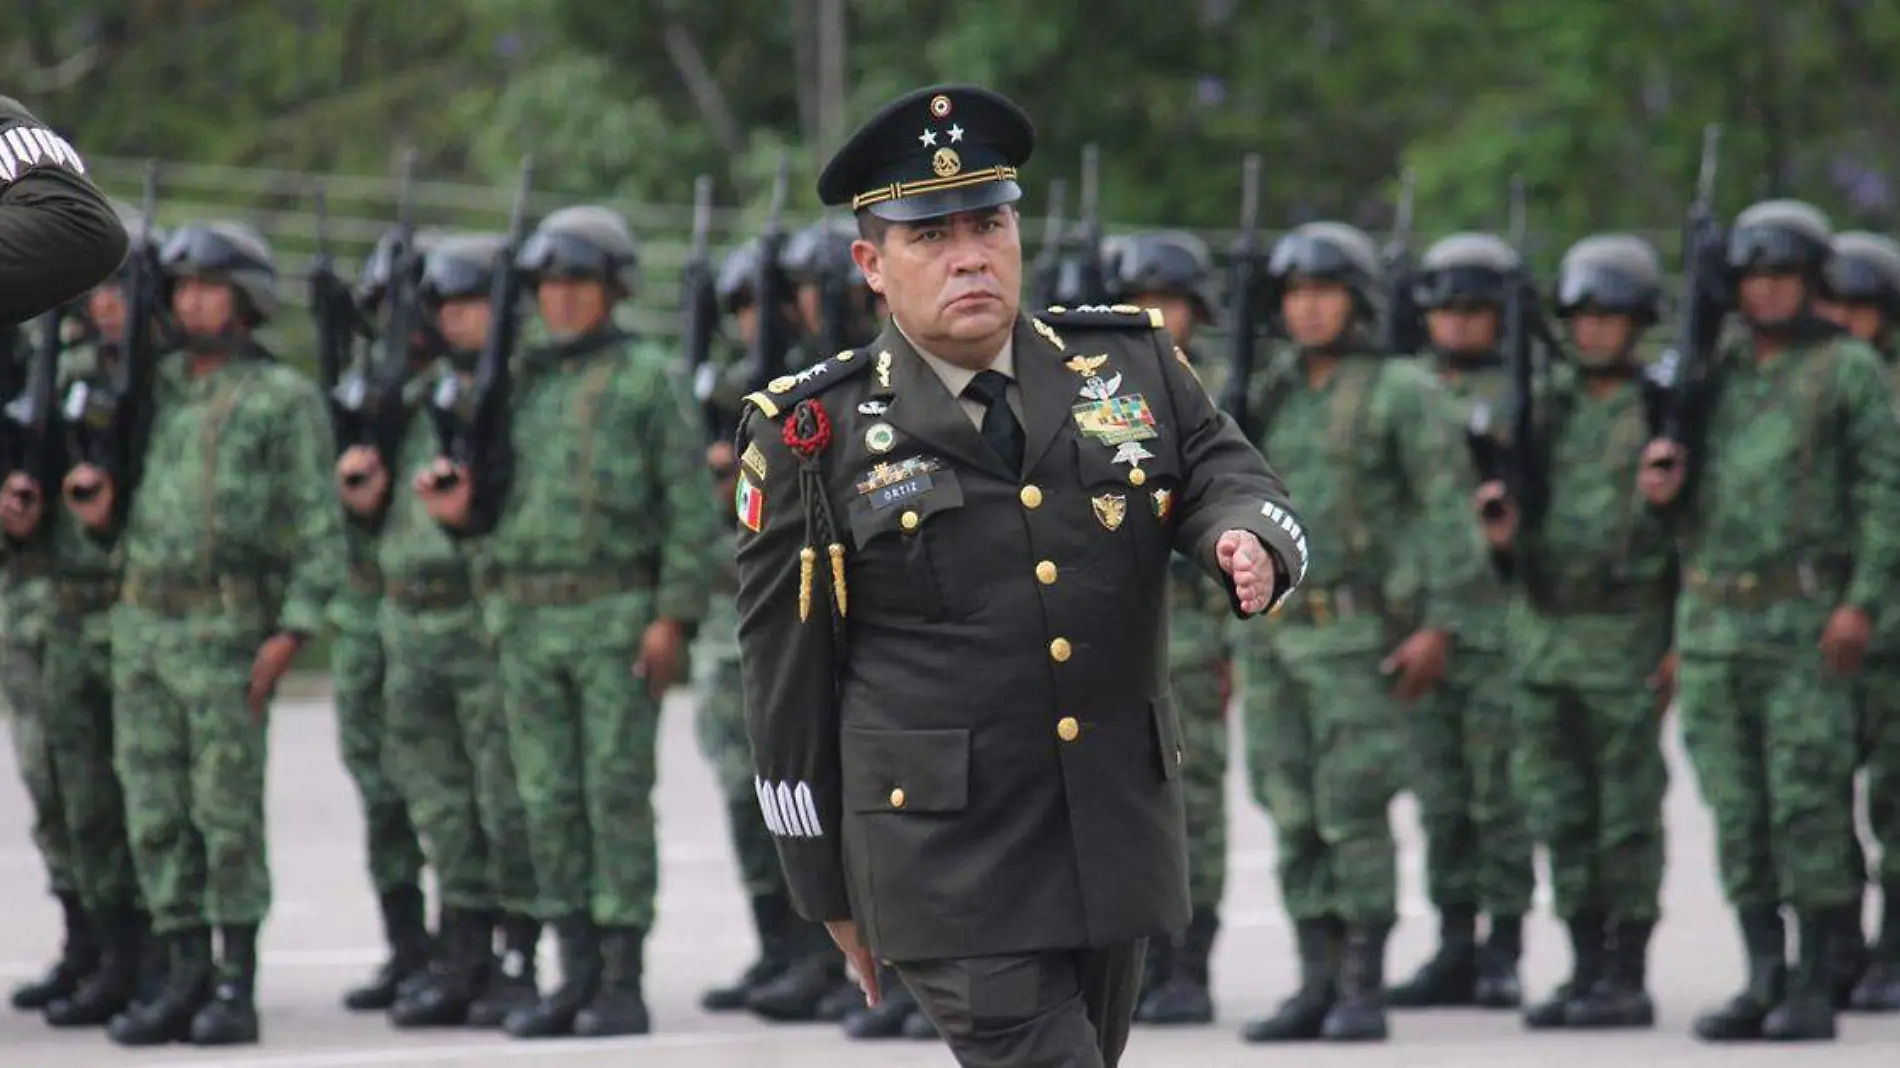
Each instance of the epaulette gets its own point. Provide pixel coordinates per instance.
(783, 393)
(1107, 316)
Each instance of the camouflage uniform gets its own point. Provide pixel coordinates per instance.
(1790, 513)
(1478, 847)
(603, 532)
(233, 535)
(1370, 454)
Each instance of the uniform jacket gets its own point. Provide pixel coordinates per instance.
(58, 235)
(981, 755)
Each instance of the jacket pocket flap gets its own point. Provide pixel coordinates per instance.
(884, 510)
(905, 771)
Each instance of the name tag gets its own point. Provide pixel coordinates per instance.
(898, 492)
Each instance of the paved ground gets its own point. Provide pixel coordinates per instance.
(322, 936)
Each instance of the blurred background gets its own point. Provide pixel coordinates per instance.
(1597, 104)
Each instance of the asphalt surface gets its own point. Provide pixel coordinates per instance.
(323, 936)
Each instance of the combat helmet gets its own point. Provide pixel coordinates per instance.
(1163, 261)
(1615, 273)
(824, 245)
(459, 267)
(585, 241)
(738, 273)
(372, 282)
(1328, 252)
(230, 251)
(1473, 268)
(1865, 269)
(1780, 235)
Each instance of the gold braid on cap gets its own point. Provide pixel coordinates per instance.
(901, 190)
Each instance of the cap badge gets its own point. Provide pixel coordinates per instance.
(940, 106)
(946, 163)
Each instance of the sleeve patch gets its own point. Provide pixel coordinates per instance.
(789, 809)
(1285, 521)
(748, 502)
(23, 148)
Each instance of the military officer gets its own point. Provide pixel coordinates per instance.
(1863, 295)
(1593, 574)
(1478, 848)
(59, 236)
(232, 546)
(1788, 516)
(1327, 682)
(597, 552)
(1169, 270)
(952, 600)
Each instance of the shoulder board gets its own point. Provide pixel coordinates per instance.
(1104, 316)
(782, 394)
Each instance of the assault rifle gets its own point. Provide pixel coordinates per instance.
(28, 442)
(474, 431)
(772, 342)
(108, 422)
(699, 305)
(1046, 273)
(1402, 331)
(1679, 383)
(1081, 276)
(1244, 313)
(842, 314)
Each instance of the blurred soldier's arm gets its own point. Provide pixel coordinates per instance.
(59, 237)
(786, 658)
(1449, 555)
(317, 560)
(1873, 450)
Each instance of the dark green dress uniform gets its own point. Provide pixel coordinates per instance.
(59, 236)
(956, 667)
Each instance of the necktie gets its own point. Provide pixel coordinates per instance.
(1000, 428)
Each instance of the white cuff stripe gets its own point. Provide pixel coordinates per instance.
(790, 809)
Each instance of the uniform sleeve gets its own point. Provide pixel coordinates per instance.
(1227, 485)
(686, 572)
(791, 703)
(317, 559)
(1873, 453)
(1450, 559)
(59, 236)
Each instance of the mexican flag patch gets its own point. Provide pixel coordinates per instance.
(748, 502)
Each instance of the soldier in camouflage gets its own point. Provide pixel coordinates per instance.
(600, 572)
(232, 546)
(1863, 290)
(1170, 270)
(1478, 847)
(1787, 511)
(828, 290)
(1368, 453)
(357, 668)
(1593, 575)
(445, 739)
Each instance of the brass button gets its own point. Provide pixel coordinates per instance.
(1046, 573)
(909, 520)
(1031, 497)
(1068, 729)
(1059, 650)
(897, 798)
(1136, 476)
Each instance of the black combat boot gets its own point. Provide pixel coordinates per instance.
(847, 998)
(406, 930)
(1879, 989)
(231, 1017)
(919, 1028)
(512, 982)
(619, 1008)
(188, 979)
(1155, 966)
(1620, 999)
(1301, 1017)
(1359, 1013)
(78, 956)
(108, 990)
(1449, 979)
(1807, 1013)
(1852, 955)
(886, 1019)
(153, 957)
(1588, 945)
(795, 994)
(1765, 939)
(772, 921)
(553, 1016)
(1185, 996)
(1498, 986)
(464, 955)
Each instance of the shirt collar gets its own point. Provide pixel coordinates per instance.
(956, 379)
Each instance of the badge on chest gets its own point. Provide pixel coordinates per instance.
(890, 483)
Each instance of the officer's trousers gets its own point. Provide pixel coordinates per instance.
(1051, 1009)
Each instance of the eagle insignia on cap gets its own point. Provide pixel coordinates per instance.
(946, 162)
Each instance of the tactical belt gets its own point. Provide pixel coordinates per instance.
(552, 588)
(182, 595)
(431, 591)
(366, 579)
(1761, 589)
(1590, 595)
(84, 595)
(1323, 606)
